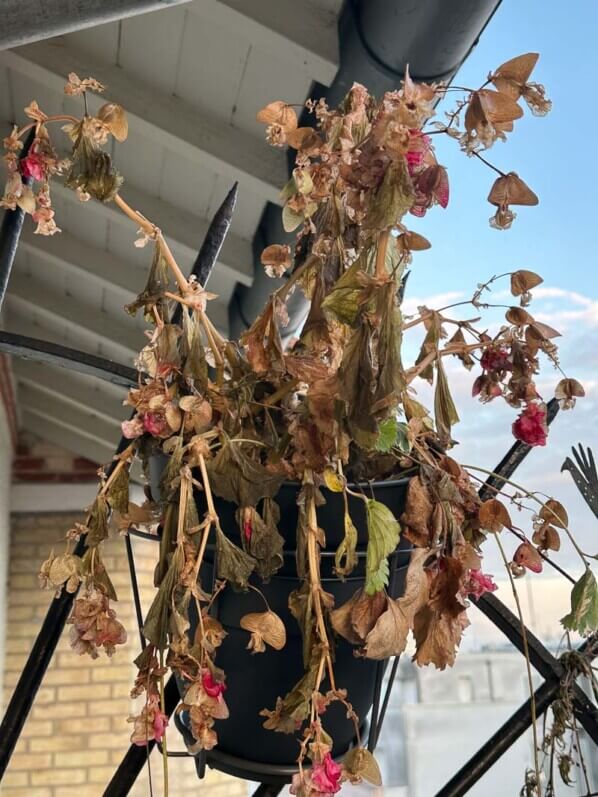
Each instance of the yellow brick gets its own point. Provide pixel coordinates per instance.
(28, 792)
(59, 710)
(91, 790)
(108, 741)
(29, 630)
(121, 690)
(18, 645)
(37, 728)
(100, 774)
(81, 758)
(25, 761)
(84, 726)
(58, 677)
(23, 581)
(26, 597)
(112, 707)
(15, 779)
(98, 691)
(45, 695)
(22, 550)
(58, 777)
(15, 662)
(68, 658)
(53, 744)
(112, 674)
(21, 613)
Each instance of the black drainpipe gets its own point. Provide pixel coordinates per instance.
(376, 39)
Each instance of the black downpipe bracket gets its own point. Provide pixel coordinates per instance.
(377, 38)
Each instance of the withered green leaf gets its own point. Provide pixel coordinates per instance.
(98, 522)
(92, 170)
(153, 293)
(393, 199)
(157, 621)
(361, 765)
(99, 574)
(445, 411)
(301, 607)
(356, 377)
(345, 558)
(265, 544)
(236, 477)
(234, 565)
(583, 616)
(383, 538)
(118, 492)
(171, 479)
(294, 708)
(349, 294)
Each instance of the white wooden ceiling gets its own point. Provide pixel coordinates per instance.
(191, 78)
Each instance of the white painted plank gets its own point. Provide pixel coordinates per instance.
(59, 433)
(160, 117)
(302, 35)
(150, 47)
(100, 41)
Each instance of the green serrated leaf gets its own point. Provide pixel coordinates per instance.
(393, 199)
(383, 537)
(387, 435)
(583, 616)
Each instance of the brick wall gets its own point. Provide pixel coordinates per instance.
(77, 732)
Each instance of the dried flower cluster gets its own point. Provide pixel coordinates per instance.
(335, 409)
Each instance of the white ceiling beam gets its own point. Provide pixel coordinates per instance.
(180, 227)
(73, 390)
(301, 34)
(27, 291)
(60, 434)
(43, 403)
(165, 119)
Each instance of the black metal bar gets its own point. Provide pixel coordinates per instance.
(267, 790)
(135, 588)
(499, 743)
(136, 756)
(385, 702)
(10, 231)
(42, 351)
(44, 646)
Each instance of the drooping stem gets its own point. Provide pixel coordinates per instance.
(163, 709)
(527, 662)
(383, 240)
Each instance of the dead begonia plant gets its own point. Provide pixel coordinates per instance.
(335, 412)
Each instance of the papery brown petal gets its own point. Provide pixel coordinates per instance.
(539, 331)
(278, 113)
(547, 538)
(523, 281)
(518, 316)
(569, 389)
(268, 625)
(414, 242)
(497, 107)
(365, 612)
(519, 68)
(527, 556)
(115, 118)
(554, 512)
(493, 515)
(305, 139)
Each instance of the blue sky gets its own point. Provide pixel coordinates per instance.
(557, 239)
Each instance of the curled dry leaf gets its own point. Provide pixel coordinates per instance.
(278, 113)
(493, 515)
(523, 281)
(115, 119)
(554, 512)
(511, 76)
(359, 764)
(518, 316)
(547, 538)
(509, 189)
(276, 259)
(266, 628)
(567, 391)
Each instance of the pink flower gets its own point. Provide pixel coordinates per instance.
(150, 725)
(32, 166)
(156, 424)
(211, 687)
(527, 556)
(133, 428)
(495, 360)
(326, 776)
(530, 427)
(479, 583)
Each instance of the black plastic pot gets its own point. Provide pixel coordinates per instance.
(255, 681)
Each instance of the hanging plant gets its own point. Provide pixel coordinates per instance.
(235, 422)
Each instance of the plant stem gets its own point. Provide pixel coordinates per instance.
(163, 709)
(527, 662)
(383, 239)
(533, 497)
